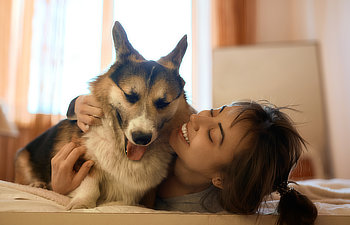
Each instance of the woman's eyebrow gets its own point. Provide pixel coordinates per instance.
(222, 134)
(222, 108)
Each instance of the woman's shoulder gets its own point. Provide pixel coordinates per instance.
(204, 201)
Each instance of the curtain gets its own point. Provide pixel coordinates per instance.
(47, 56)
(233, 22)
(15, 71)
(18, 37)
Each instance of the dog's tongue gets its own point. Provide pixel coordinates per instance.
(135, 152)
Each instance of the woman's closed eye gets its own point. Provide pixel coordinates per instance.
(209, 131)
(216, 137)
(222, 133)
(209, 135)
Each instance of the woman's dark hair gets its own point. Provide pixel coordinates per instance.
(267, 153)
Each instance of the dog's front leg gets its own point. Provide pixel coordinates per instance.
(87, 194)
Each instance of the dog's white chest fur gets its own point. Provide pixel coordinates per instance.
(114, 177)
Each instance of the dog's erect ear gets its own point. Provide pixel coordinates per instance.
(174, 58)
(123, 48)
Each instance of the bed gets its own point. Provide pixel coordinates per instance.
(20, 204)
(28, 205)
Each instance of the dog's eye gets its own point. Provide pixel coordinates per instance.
(161, 103)
(132, 98)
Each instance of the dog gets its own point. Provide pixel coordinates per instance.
(142, 101)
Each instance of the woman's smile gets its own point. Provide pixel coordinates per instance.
(185, 133)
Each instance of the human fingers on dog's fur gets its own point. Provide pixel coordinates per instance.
(84, 127)
(98, 112)
(92, 111)
(82, 172)
(85, 101)
(91, 100)
(89, 120)
(74, 155)
(87, 105)
(95, 120)
(78, 103)
(65, 150)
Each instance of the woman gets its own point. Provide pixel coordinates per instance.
(226, 159)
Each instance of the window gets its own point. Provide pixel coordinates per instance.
(154, 27)
(66, 47)
(66, 44)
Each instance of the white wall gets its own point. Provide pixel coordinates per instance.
(327, 22)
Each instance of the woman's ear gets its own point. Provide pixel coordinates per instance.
(217, 182)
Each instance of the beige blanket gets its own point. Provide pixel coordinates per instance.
(23, 198)
(330, 196)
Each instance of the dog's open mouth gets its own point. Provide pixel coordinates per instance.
(134, 152)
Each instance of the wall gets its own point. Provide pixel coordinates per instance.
(281, 74)
(327, 22)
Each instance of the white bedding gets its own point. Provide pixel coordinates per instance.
(22, 198)
(331, 197)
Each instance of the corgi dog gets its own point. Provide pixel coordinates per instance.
(142, 102)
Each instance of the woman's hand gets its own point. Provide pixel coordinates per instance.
(88, 112)
(64, 178)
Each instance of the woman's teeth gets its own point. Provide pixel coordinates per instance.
(184, 132)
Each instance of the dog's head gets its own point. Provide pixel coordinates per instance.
(141, 96)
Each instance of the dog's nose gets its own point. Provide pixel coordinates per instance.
(141, 138)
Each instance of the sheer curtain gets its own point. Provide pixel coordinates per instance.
(15, 60)
(33, 62)
(47, 56)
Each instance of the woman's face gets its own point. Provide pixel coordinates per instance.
(208, 141)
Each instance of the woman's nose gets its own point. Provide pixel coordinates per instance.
(197, 121)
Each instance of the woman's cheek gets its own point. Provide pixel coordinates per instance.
(172, 137)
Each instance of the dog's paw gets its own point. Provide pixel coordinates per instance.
(79, 203)
(39, 184)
